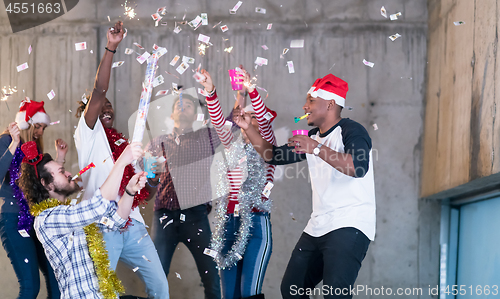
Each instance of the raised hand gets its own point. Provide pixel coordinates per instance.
(242, 119)
(137, 182)
(14, 132)
(131, 153)
(115, 35)
(207, 83)
(61, 147)
(246, 78)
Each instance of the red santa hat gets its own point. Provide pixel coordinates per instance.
(330, 88)
(270, 115)
(31, 112)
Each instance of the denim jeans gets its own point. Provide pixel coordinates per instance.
(246, 277)
(27, 256)
(195, 233)
(334, 258)
(130, 247)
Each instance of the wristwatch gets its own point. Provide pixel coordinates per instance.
(317, 149)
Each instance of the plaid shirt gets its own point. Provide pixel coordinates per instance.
(187, 175)
(60, 230)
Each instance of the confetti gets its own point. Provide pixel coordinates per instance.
(55, 122)
(106, 221)
(161, 51)
(128, 51)
(22, 67)
(291, 69)
(145, 235)
(383, 12)
(30, 49)
(143, 57)
(164, 23)
(177, 140)
(168, 223)
(135, 269)
(163, 218)
(26, 261)
(268, 116)
(459, 23)
(375, 127)
(177, 30)
(235, 8)
(261, 61)
(229, 49)
(224, 28)
(158, 81)
(182, 217)
(293, 218)
(174, 61)
(162, 10)
(217, 24)
(178, 275)
(236, 210)
(162, 92)
(139, 46)
(285, 50)
(74, 201)
(210, 252)
(81, 46)
(155, 47)
(203, 38)
(199, 77)
(297, 43)
(117, 64)
(260, 10)
(204, 19)
(395, 16)
(144, 257)
(394, 37)
(109, 20)
(201, 117)
(265, 47)
(195, 22)
(172, 75)
(367, 63)
(269, 26)
(187, 59)
(156, 16)
(51, 95)
(202, 48)
(23, 233)
(119, 141)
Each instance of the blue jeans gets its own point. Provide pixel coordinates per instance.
(27, 256)
(195, 233)
(246, 277)
(334, 258)
(130, 247)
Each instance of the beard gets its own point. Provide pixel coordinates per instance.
(67, 190)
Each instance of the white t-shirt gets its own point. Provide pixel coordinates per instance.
(93, 146)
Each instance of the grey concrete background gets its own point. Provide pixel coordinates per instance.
(338, 36)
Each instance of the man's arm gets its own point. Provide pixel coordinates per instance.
(135, 184)
(98, 95)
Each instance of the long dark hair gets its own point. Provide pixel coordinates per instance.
(31, 185)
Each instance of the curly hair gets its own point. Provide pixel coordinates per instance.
(81, 107)
(32, 186)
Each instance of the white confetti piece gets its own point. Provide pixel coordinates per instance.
(168, 223)
(81, 46)
(367, 63)
(266, 193)
(30, 49)
(459, 23)
(394, 37)
(162, 92)
(55, 122)
(135, 269)
(23, 233)
(235, 8)
(260, 10)
(117, 64)
(261, 61)
(177, 30)
(119, 141)
(26, 261)
(145, 235)
(178, 275)
(268, 116)
(285, 50)
(163, 218)
(236, 210)
(51, 95)
(395, 16)
(297, 43)
(182, 68)
(269, 26)
(107, 221)
(187, 59)
(158, 81)
(210, 252)
(139, 46)
(291, 69)
(265, 47)
(161, 51)
(201, 117)
(145, 258)
(174, 61)
(195, 22)
(204, 19)
(183, 217)
(203, 38)
(375, 127)
(143, 57)
(128, 51)
(224, 28)
(156, 17)
(383, 12)
(22, 67)
(293, 218)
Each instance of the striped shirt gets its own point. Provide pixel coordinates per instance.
(60, 230)
(235, 176)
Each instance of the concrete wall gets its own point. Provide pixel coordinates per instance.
(461, 141)
(338, 36)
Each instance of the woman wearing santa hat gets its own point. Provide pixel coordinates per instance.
(16, 223)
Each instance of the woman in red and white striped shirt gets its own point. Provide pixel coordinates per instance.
(242, 238)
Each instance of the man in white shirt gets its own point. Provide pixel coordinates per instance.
(95, 142)
(338, 152)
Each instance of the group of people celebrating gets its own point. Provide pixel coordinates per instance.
(77, 244)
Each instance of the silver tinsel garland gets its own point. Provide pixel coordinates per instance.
(249, 197)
